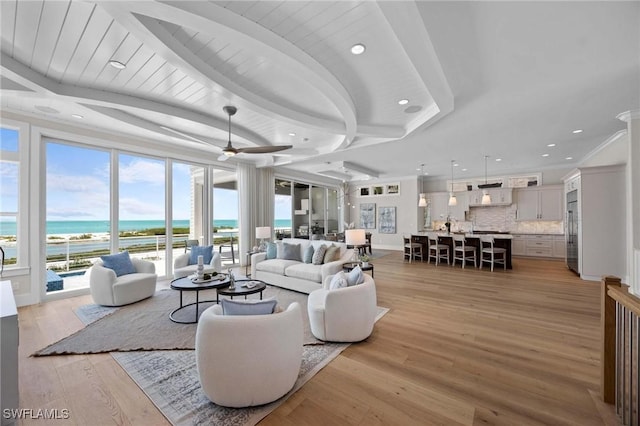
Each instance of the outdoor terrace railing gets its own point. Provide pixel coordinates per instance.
(620, 324)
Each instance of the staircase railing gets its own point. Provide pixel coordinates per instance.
(620, 324)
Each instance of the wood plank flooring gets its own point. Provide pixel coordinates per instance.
(458, 347)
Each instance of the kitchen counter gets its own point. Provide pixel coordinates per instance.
(499, 236)
(500, 240)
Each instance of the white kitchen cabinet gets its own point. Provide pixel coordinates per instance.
(540, 203)
(499, 197)
(538, 245)
(601, 238)
(440, 206)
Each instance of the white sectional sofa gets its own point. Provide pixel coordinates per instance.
(297, 275)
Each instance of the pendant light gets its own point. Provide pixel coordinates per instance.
(453, 201)
(486, 198)
(423, 196)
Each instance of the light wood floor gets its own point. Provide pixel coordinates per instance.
(458, 346)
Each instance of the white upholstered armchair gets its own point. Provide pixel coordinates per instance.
(110, 290)
(181, 267)
(345, 314)
(247, 360)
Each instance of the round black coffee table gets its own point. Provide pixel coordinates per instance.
(348, 267)
(241, 289)
(187, 284)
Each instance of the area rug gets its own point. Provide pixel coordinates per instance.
(145, 326)
(170, 377)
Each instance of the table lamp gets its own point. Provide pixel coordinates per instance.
(262, 233)
(355, 238)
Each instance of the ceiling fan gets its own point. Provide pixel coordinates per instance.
(230, 151)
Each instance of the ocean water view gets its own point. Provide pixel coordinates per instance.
(8, 229)
(63, 227)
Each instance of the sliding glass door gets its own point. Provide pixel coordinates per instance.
(77, 213)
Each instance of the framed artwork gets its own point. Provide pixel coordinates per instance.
(378, 190)
(387, 220)
(364, 191)
(393, 189)
(368, 215)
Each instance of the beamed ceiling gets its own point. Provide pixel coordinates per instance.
(481, 78)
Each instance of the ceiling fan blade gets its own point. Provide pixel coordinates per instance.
(263, 149)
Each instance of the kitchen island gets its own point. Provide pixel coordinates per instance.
(473, 239)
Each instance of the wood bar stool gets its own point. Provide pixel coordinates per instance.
(412, 250)
(463, 252)
(436, 250)
(491, 254)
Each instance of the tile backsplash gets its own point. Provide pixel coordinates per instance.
(503, 219)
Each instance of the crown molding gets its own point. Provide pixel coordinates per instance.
(629, 115)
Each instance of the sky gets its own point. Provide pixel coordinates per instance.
(77, 184)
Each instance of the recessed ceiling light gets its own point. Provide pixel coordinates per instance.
(551, 145)
(464, 170)
(76, 116)
(545, 155)
(498, 159)
(117, 64)
(569, 158)
(358, 49)
(403, 101)
(292, 134)
(577, 131)
(455, 164)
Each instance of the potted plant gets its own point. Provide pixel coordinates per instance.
(365, 260)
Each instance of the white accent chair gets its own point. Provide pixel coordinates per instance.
(247, 360)
(181, 267)
(463, 252)
(109, 290)
(345, 314)
(436, 250)
(492, 254)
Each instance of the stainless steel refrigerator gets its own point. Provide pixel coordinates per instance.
(571, 234)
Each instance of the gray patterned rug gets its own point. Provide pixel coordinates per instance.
(170, 378)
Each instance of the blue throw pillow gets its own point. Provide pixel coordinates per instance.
(120, 263)
(307, 257)
(205, 252)
(272, 251)
(248, 307)
(356, 276)
(291, 252)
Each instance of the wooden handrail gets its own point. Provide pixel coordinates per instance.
(608, 330)
(622, 295)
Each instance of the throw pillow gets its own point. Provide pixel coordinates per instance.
(318, 255)
(120, 263)
(332, 254)
(307, 257)
(291, 252)
(248, 307)
(272, 251)
(205, 251)
(339, 280)
(356, 276)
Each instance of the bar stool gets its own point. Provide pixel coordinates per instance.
(436, 250)
(412, 250)
(495, 254)
(463, 252)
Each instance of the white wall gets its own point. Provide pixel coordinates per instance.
(407, 211)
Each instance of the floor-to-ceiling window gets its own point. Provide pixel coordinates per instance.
(141, 208)
(188, 206)
(9, 194)
(282, 209)
(77, 212)
(225, 215)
